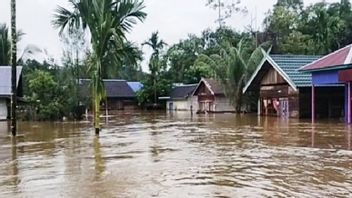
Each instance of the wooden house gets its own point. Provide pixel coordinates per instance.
(120, 94)
(181, 98)
(334, 69)
(285, 92)
(211, 97)
(5, 89)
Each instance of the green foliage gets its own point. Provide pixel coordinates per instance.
(146, 95)
(317, 29)
(233, 66)
(5, 45)
(46, 95)
(156, 67)
(202, 68)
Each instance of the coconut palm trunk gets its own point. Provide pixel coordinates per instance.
(13, 68)
(107, 21)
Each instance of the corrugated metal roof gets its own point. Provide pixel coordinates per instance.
(5, 79)
(215, 86)
(182, 91)
(290, 65)
(135, 86)
(340, 57)
(114, 88)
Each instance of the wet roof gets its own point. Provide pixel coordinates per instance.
(182, 91)
(135, 86)
(287, 66)
(114, 88)
(335, 59)
(290, 64)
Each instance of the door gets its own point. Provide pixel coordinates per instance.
(284, 108)
(3, 110)
(171, 106)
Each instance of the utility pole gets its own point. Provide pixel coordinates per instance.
(220, 19)
(13, 68)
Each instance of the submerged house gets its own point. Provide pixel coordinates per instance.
(5, 89)
(181, 98)
(285, 92)
(120, 94)
(211, 97)
(334, 69)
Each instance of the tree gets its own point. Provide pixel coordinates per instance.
(233, 67)
(107, 22)
(46, 95)
(5, 45)
(181, 58)
(155, 66)
(225, 9)
(127, 66)
(282, 22)
(323, 26)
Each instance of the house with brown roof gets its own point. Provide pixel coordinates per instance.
(211, 97)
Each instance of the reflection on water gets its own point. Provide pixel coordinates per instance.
(178, 155)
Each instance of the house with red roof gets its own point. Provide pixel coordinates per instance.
(332, 69)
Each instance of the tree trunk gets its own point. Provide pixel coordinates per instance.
(96, 98)
(13, 68)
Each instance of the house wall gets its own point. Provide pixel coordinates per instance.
(121, 104)
(183, 105)
(277, 97)
(325, 77)
(223, 104)
(3, 109)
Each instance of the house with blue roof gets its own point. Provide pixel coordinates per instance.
(284, 91)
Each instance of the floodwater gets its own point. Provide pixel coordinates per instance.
(178, 155)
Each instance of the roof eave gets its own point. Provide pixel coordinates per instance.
(336, 67)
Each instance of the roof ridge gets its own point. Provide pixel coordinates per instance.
(186, 85)
(292, 55)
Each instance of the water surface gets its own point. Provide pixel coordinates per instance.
(178, 155)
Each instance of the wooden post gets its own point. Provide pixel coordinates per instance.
(13, 68)
(106, 108)
(313, 103)
(349, 102)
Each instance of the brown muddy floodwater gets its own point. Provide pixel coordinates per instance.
(160, 155)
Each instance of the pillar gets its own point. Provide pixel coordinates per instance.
(313, 103)
(259, 106)
(349, 102)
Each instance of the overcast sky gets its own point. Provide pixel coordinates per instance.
(174, 19)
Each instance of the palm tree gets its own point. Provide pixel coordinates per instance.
(5, 47)
(156, 45)
(13, 68)
(107, 21)
(233, 67)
